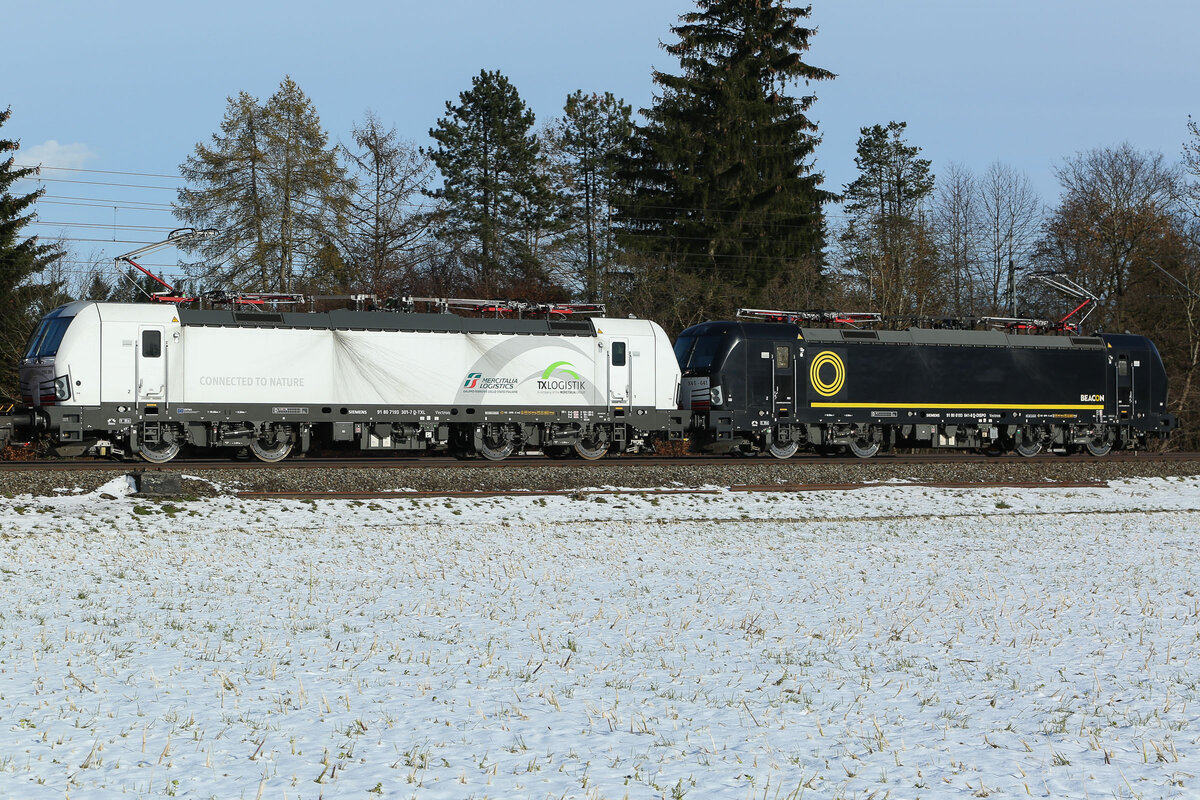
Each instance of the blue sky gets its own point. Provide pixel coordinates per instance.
(133, 86)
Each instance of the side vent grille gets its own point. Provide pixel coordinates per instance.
(571, 326)
(256, 318)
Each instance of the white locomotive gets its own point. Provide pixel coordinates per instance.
(148, 379)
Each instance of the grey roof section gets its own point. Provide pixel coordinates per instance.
(384, 321)
(951, 337)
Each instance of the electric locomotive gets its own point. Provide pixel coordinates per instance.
(148, 379)
(755, 386)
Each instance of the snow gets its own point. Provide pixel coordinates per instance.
(891, 641)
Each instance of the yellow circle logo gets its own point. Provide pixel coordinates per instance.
(827, 388)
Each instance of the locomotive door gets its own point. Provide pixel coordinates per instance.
(151, 365)
(783, 386)
(618, 372)
(1124, 385)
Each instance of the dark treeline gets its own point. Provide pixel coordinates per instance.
(708, 200)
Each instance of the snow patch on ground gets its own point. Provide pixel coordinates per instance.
(923, 642)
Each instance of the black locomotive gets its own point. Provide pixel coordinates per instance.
(779, 387)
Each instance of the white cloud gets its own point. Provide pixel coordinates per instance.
(52, 154)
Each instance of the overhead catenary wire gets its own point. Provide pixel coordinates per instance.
(106, 263)
(95, 202)
(101, 241)
(1181, 284)
(106, 225)
(699, 262)
(98, 171)
(652, 207)
(706, 267)
(41, 179)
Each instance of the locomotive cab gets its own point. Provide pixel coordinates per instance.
(1137, 384)
(68, 393)
(701, 352)
(737, 377)
(41, 383)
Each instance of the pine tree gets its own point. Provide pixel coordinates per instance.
(496, 201)
(590, 142)
(721, 183)
(21, 260)
(98, 289)
(272, 187)
(887, 242)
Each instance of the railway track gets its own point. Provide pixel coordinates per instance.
(518, 462)
(399, 477)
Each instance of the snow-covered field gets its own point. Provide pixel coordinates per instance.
(888, 642)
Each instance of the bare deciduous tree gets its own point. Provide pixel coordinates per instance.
(1116, 206)
(384, 239)
(1009, 218)
(954, 218)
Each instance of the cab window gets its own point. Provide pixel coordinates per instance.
(47, 337)
(683, 349)
(705, 352)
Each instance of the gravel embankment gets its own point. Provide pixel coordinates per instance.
(615, 473)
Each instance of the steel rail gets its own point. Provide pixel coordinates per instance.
(517, 462)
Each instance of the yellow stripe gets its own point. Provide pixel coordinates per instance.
(981, 406)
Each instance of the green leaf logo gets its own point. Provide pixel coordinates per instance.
(562, 367)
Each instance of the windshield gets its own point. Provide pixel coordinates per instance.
(47, 337)
(683, 349)
(698, 352)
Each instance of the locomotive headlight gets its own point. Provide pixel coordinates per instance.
(62, 387)
(715, 396)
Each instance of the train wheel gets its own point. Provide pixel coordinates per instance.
(1028, 449)
(591, 449)
(1098, 446)
(863, 448)
(496, 453)
(159, 452)
(783, 450)
(270, 451)
(494, 449)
